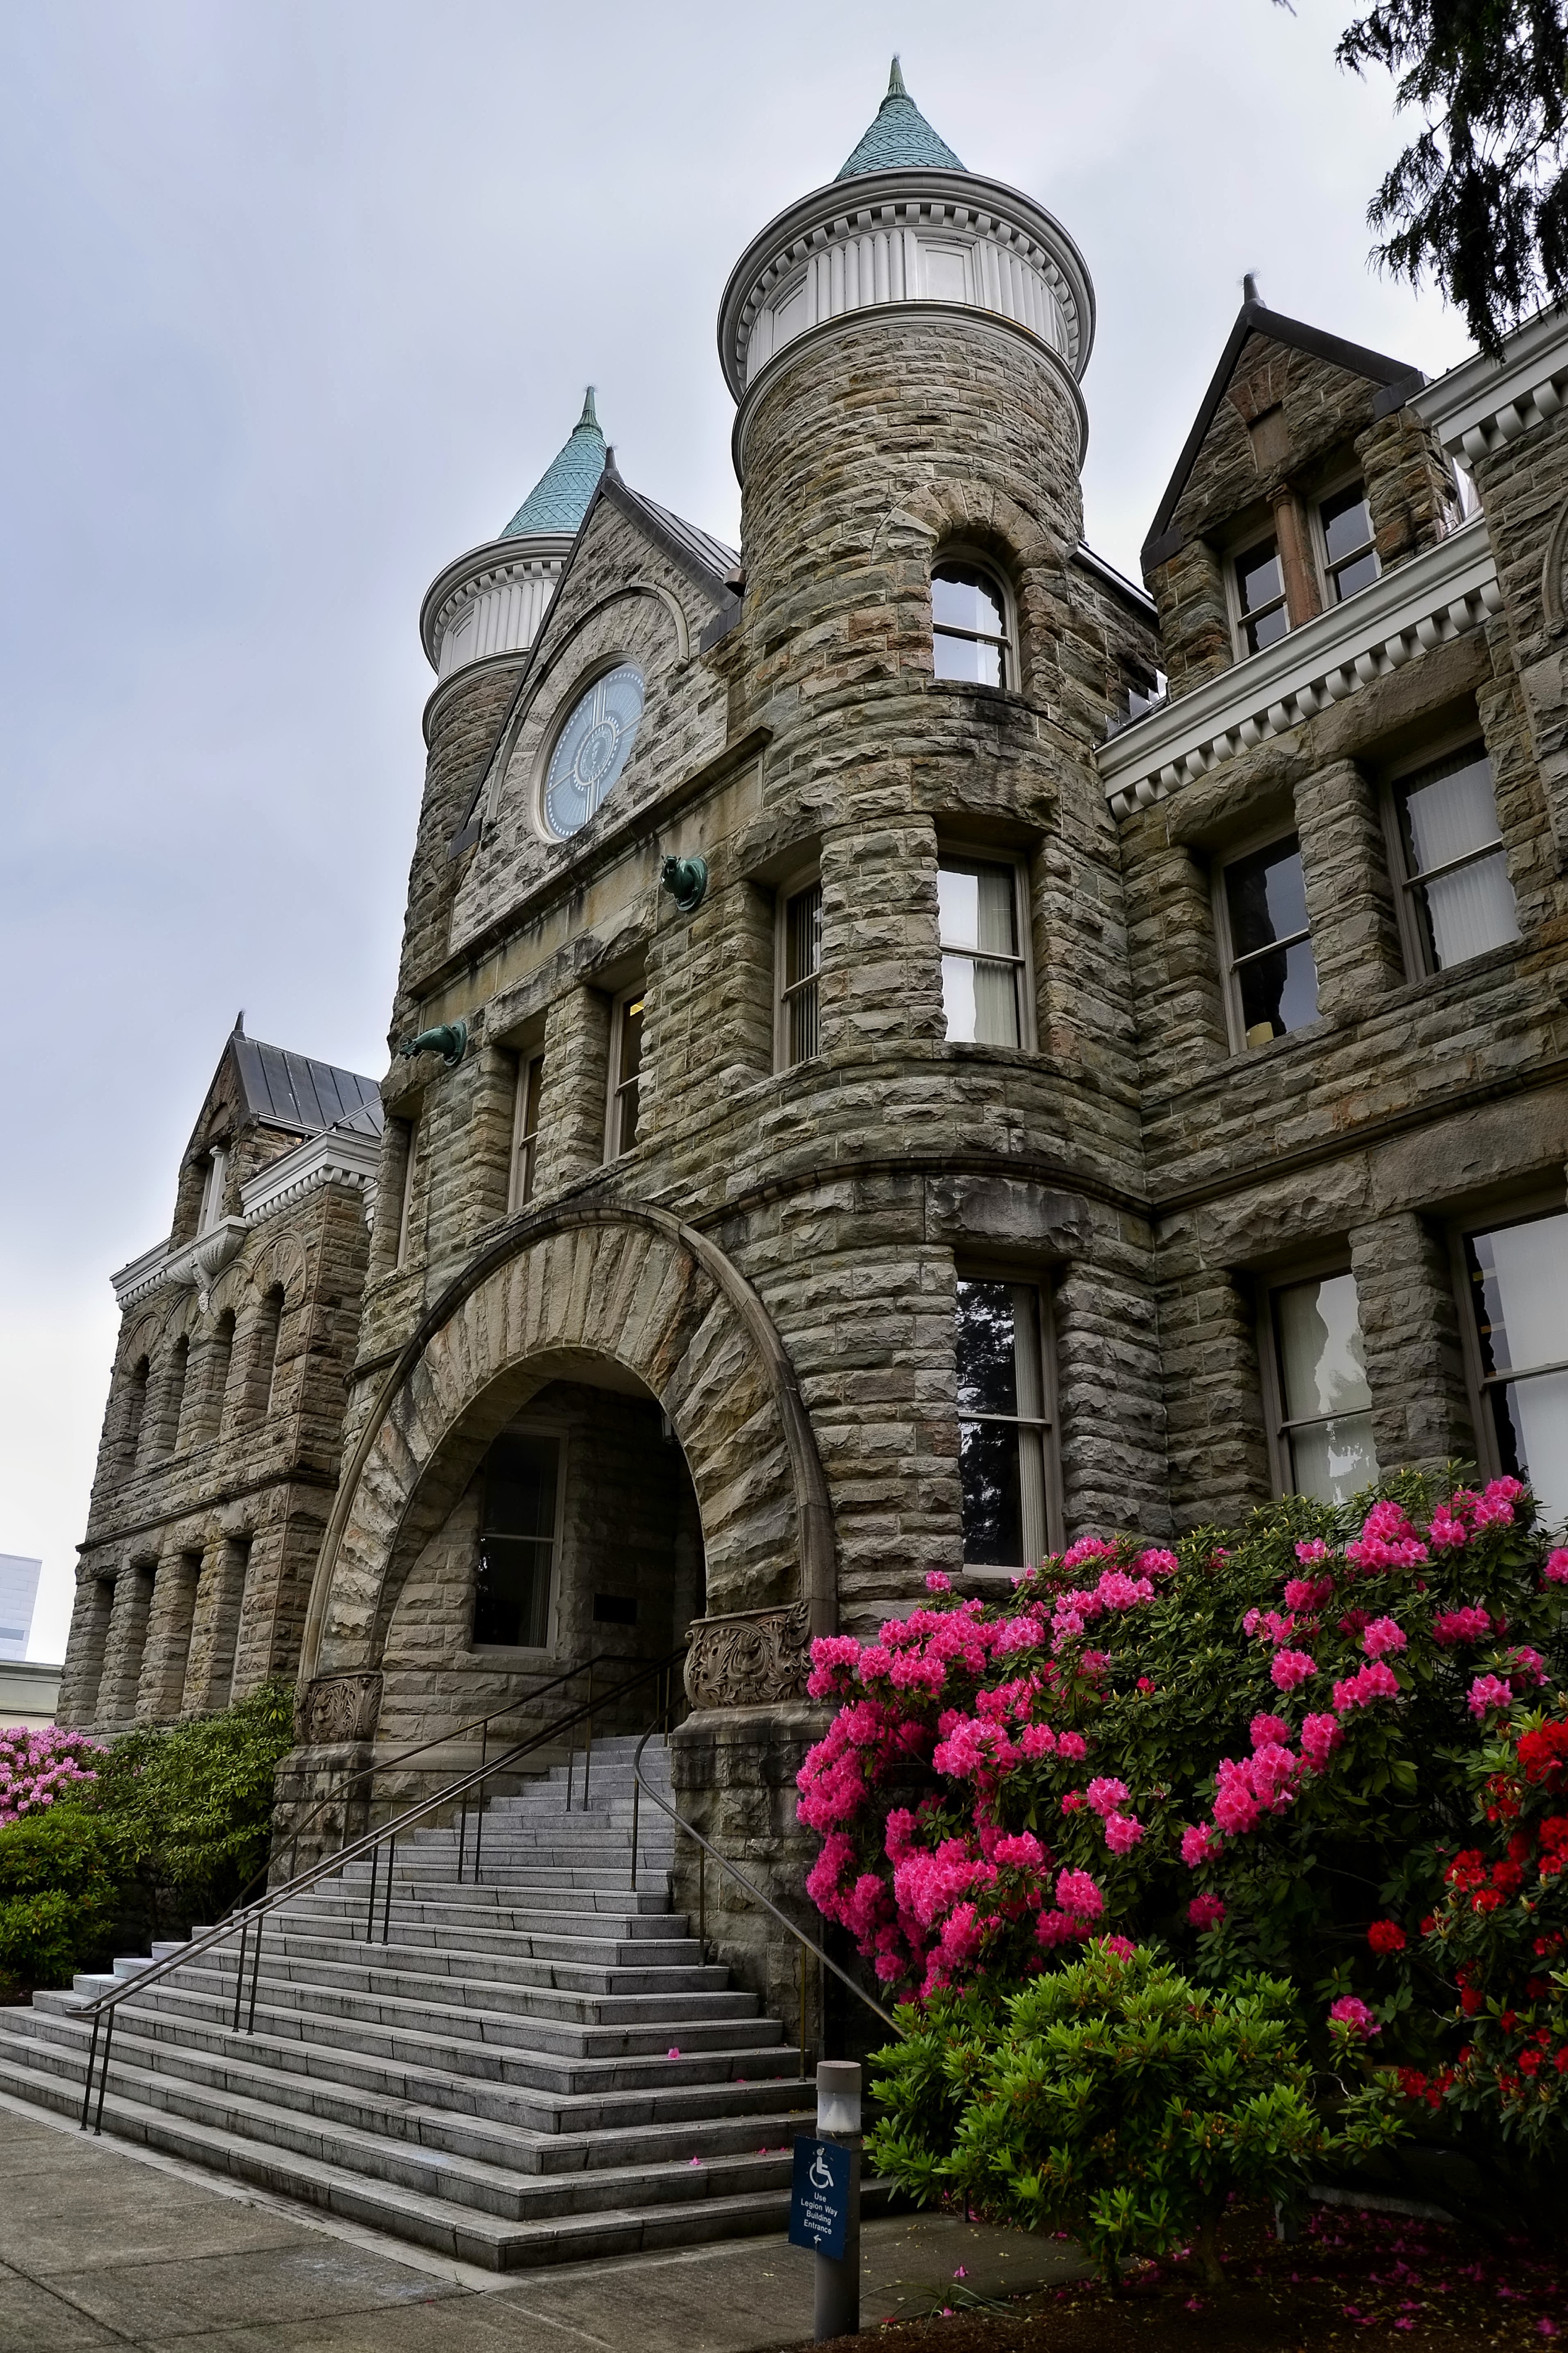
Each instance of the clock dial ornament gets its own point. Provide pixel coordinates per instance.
(592, 749)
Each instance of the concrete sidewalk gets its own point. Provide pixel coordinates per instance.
(102, 2246)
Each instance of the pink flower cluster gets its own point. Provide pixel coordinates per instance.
(1454, 1628)
(1375, 1681)
(36, 1767)
(1352, 2012)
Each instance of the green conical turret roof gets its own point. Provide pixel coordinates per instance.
(900, 135)
(559, 499)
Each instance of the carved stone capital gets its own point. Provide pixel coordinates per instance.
(336, 1708)
(750, 1660)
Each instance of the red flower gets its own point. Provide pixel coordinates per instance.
(1386, 1937)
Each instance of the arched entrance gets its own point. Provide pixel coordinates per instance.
(618, 1314)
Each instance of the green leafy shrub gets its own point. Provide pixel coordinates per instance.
(168, 1833)
(1113, 2099)
(61, 1873)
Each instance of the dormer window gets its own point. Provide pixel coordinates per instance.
(214, 1183)
(1261, 592)
(1349, 559)
(969, 626)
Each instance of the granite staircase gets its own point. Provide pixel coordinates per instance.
(533, 2068)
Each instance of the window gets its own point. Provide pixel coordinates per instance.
(135, 1410)
(800, 973)
(1002, 1425)
(969, 626)
(1349, 559)
(1261, 592)
(625, 1073)
(174, 1396)
(981, 961)
(517, 1541)
(1458, 899)
(405, 1207)
(214, 1185)
(1324, 1422)
(525, 1132)
(1518, 1282)
(1272, 972)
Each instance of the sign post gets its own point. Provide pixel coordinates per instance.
(825, 2207)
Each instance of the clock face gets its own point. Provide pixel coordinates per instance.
(592, 749)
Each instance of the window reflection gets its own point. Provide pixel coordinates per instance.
(1327, 1424)
(517, 1541)
(1274, 972)
(969, 626)
(1002, 1425)
(981, 967)
(1456, 869)
(1518, 1293)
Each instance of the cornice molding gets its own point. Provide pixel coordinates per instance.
(1445, 593)
(1484, 404)
(337, 1156)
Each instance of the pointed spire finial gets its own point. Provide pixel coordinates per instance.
(1249, 293)
(240, 1023)
(896, 80)
(588, 415)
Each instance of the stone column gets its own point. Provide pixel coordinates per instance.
(1303, 600)
(1109, 1408)
(1214, 1397)
(881, 965)
(85, 1651)
(1350, 899)
(214, 1625)
(126, 1640)
(572, 1107)
(168, 1643)
(1420, 1412)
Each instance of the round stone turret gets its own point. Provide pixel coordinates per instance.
(904, 223)
(487, 606)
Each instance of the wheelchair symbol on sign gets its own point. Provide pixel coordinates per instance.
(821, 2175)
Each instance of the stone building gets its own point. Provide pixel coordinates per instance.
(221, 1442)
(936, 1048)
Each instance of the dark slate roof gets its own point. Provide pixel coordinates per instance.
(1256, 317)
(295, 1091)
(712, 553)
(560, 498)
(899, 137)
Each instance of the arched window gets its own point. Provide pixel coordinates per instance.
(264, 1356)
(135, 1411)
(215, 1383)
(173, 1402)
(969, 625)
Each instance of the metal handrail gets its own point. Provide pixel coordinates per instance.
(102, 2007)
(807, 1944)
(480, 1724)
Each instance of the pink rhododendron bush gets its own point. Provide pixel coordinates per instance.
(1262, 1751)
(38, 1767)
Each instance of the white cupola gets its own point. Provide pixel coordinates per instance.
(904, 222)
(490, 603)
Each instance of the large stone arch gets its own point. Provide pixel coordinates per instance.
(629, 1284)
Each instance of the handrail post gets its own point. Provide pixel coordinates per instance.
(255, 1974)
(91, 2063)
(479, 1798)
(636, 1792)
(370, 1915)
(703, 1904)
(386, 1900)
(803, 2011)
(588, 1749)
(103, 2078)
(462, 1835)
(239, 1973)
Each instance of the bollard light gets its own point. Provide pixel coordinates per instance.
(837, 2096)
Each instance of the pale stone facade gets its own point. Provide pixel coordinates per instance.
(737, 1346)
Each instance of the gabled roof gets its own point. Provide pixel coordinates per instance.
(560, 498)
(685, 540)
(899, 136)
(1256, 318)
(295, 1091)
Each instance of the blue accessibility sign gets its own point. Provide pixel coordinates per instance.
(819, 2199)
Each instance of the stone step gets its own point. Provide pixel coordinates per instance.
(707, 2214)
(473, 1910)
(468, 1976)
(534, 2133)
(340, 1929)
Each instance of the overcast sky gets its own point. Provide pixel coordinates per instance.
(299, 298)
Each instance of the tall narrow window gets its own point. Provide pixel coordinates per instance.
(262, 1359)
(174, 1396)
(1261, 593)
(625, 1073)
(800, 971)
(1459, 901)
(1273, 973)
(1003, 1430)
(982, 960)
(1519, 1298)
(1325, 1424)
(525, 1134)
(517, 1541)
(1351, 558)
(969, 625)
(214, 1185)
(219, 1365)
(135, 1411)
(410, 1175)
